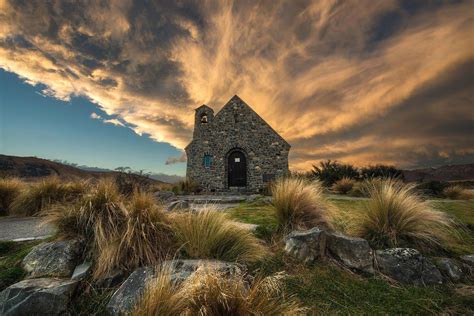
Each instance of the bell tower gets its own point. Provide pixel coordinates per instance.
(202, 119)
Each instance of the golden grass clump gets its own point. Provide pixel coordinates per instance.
(10, 188)
(300, 204)
(395, 216)
(38, 196)
(211, 292)
(456, 192)
(208, 234)
(343, 186)
(144, 238)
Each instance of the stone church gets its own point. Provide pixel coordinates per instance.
(234, 149)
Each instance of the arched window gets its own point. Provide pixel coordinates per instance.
(207, 161)
(204, 118)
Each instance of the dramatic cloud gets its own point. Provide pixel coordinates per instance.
(359, 81)
(173, 160)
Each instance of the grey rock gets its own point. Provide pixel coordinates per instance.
(37, 297)
(178, 205)
(450, 269)
(407, 265)
(164, 196)
(468, 259)
(307, 245)
(127, 295)
(353, 252)
(56, 259)
(81, 271)
(113, 279)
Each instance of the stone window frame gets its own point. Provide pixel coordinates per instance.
(207, 161)
(204, 119)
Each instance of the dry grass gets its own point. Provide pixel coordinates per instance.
(343, 186)
(9, 190)
(209, 234)
(144, 238)
(300, 204)
(44, 193)
(457, 192)
(210, 292)
(395, 216)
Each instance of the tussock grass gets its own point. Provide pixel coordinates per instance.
(395, 216)
(209, 234)
(210, 292)
(300, 204)
(43, 194)
(457, 192)
(10, 188)
(144, 238)
(343, 186)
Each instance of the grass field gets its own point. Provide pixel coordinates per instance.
(328, 289)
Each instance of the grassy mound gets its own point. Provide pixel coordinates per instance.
(9, 190)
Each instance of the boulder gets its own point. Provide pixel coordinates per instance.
(468, 259)
(450, 269)
(55, 259)
(164, 196)
(178, 205)
(81, 271)
(407, 265)
(353, 252)
(306, 245)
(43, 296)
(127, 295)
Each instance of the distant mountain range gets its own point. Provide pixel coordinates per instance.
(33, 167)
(444, 173)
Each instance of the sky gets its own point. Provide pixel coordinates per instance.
(114, 83)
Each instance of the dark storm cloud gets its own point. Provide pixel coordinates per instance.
(361, 81)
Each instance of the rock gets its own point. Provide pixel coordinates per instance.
(164, 196)
(178, 205)
(113, 279)
(37, 297)
(407, 265)
(450, 269)
(126, 296)
(355, 253)
(81, 271)
(468, 259)
(55, 259)
(307, 245)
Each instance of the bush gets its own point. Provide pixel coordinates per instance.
(210, 292)
(380, 171)
(433, 188)
(395, 216)
(209, 234)
(300, 204)
(48, 191)
(186, 187)
(343, 186)
(9, 190)
(457, 192)
(358, 190)
(144, 237)
(331, 171)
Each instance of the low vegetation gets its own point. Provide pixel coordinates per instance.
(10, 188)
(395, 216)
(457, 192)
(185, 187)
(343, 186)
(209, 234)
(328, 172)
(300, 204)
(210, 292)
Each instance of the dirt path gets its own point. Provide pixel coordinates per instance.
(23, 228)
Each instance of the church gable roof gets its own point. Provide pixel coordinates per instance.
(236, 100)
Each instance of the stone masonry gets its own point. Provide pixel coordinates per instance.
(235, 128)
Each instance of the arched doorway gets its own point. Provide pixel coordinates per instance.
(236, 169)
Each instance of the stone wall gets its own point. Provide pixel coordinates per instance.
(236, 126)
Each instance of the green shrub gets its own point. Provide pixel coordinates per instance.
(432, 188)
(343, 186)
(300, 204)
(395, 216)
(209, 234)
(331, 171)
(9, 190)
(457, 192)
(380, 171)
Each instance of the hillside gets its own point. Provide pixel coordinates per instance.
(30, 168)
(444, 173)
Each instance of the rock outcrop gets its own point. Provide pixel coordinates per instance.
(306, 245)
(450, 269)
(353, 252)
